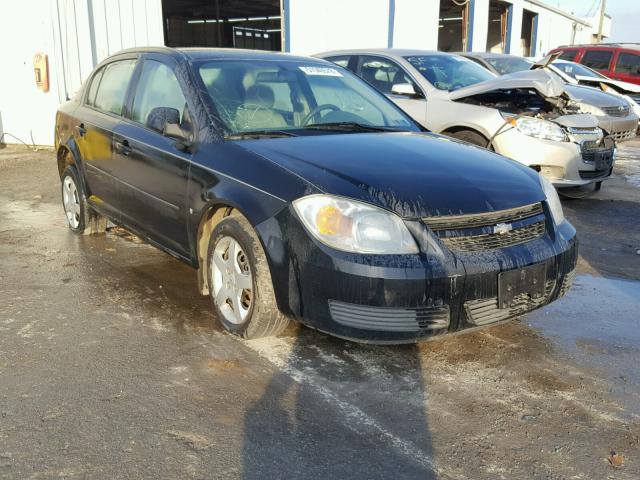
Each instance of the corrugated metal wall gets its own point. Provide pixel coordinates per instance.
(87, 31)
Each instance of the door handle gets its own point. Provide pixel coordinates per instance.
(123, 147)
(81, 130)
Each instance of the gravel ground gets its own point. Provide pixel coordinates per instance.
(112, 366)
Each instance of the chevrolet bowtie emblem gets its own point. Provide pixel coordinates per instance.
(502, 228)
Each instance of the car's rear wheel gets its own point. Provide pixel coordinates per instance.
(240, 283)
(80, 217)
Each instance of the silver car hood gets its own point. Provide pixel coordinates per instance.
(581, 120)
(593, 96)
(547, 84)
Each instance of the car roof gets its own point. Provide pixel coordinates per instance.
(487, 55)
(203, 53)
(631, 46)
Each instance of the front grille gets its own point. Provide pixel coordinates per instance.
(591, 174)
(623, 136)
(486, 310)
(490, 230)
(389, 319)
(616, 111)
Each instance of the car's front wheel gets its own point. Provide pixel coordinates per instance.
(240, 283)
(80, 218)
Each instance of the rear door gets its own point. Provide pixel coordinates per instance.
(383, 73)
(627, 67)
(98, 117)
(154, 168)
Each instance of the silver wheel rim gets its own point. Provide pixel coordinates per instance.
(231, 280)
(71, 201)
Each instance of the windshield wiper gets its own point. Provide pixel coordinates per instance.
(259, 134)
(351, 127)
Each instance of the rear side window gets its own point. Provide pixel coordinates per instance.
(113, 86)
(93, 88)
(568, 55)
(628, 63)
(597, 59)
(342, 60)
(158, 87)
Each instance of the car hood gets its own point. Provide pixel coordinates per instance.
(547, 84)
(413, 174)
(592, 96)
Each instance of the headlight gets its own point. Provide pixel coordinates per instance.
(535, 127)
(592, 109)
(354, 226)
(552, 200)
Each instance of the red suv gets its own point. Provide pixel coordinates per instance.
(620, 61)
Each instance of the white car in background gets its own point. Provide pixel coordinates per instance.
(524, 116)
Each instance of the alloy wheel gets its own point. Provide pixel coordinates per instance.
(71, 202)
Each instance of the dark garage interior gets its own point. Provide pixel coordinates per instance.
(254, 24)
(452, 27)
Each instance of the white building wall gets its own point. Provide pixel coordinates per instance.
(76, 35)
(416, 24)
(316, 26)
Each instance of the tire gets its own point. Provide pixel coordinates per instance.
(470, 136)
(81, 219)
(243, 306)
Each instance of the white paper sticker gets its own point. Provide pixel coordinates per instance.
(322, 71)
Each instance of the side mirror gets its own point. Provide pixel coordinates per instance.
(166, 120)
(405, 89)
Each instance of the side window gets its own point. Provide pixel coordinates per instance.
(628, 63)
(113, 86)
(382, 73)
(342, 60)
(157, 87)
(597, 59)
(568, 55)
(93, 88)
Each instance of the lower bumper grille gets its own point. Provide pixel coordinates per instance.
(591, 174)
(389, 319)
(623, 136)
(491, 230)
(485, 311)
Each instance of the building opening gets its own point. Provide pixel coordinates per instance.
(528, 35)
(498, 27)
(254, 24)
(452, 27)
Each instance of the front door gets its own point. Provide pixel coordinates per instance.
(383, 74)
(154, 168)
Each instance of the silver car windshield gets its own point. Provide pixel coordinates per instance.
(449, 72)
(572, 69)
(252, 96)
(505, 65)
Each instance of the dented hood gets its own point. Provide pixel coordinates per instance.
(547, 84)
(413, 174)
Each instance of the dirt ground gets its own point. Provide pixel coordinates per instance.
(112, 366)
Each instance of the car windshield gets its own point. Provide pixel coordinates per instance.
(572, 69)
(285, 96)
(505, 65)
(449, 72)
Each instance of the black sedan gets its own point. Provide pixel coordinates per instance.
(299, 192)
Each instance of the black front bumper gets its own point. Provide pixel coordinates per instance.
(404, 298)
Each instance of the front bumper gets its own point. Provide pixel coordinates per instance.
(405, 298)
(563, 163)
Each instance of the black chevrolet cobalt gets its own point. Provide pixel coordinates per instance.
(299, 192)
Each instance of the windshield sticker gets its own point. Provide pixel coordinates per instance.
(322, 71)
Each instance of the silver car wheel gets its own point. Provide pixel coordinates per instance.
(71, 202)
(232, 280)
